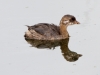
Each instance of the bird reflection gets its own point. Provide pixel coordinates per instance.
(69, 55)
(51, 44)
(66, 52)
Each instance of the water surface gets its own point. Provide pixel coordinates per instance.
(18, 57)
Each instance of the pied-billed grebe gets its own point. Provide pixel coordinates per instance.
(45, 31)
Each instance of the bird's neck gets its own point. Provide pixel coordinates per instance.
(63, 30)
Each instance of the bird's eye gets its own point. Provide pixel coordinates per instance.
(72, 19)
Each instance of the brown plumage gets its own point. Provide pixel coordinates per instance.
(45, 31)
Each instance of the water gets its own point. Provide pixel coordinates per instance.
(18, 57)
(65, 51)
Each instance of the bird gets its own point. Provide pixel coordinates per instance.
(46, 31)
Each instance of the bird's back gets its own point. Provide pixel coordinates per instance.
(45, 29)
